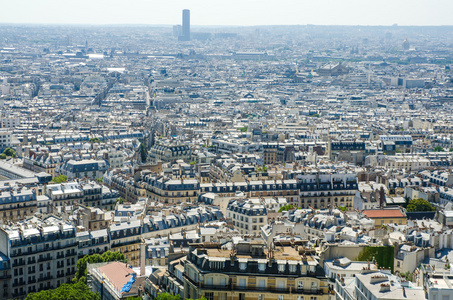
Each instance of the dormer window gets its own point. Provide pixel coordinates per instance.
(242, 266)
(281, 267)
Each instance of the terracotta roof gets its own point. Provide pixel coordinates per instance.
(383, 213)
(115, 273)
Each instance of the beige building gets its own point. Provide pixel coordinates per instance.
(248, 216)
(409, 163)
(249, 271)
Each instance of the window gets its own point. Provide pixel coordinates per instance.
(223, 281)
(281, 297)
(281, 268)
(281, 285)
(241, 296)
(242, 266)
(260, 297)
(262, 283)
(209, 296)
(242, 282)
(262, 267)
(222, 296)
(209, 281)
(300, 285)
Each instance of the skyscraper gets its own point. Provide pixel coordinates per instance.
(185, 25)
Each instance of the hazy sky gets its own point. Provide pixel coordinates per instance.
(230, 12)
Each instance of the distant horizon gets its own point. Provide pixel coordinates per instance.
(213, 26)
(231, 13)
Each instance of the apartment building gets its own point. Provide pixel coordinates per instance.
(167, 152)
(5, 140)
(65, 194)
(406, 162)
(327, 190)
(255, 189)
(125, 237)
(39, 257)
(87, 168)
(92, 194)
(248, 215)
(378, 285)
(10, 122)
(17, 204)
(42, 162)
(172, 191)
(277, 153)
(249, 271)
(91, 242)
(115, 159)
(394, 215)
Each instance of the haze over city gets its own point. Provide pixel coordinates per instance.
(233, 12)
(226, 150)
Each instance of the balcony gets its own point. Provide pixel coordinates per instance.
(19, 263)
(232, 287)
(46, 258)
(70, 254)
(44, 278)
(5, 276)
(15, 284)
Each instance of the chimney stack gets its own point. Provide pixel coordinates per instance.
(142, 257)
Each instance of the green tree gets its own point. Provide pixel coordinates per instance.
(9, 152)
(419, 205)
(99, 180)
(342, 208)
(408, 276)
(94, 140)
(76, 291)
(120, 200)
(143, 152)
(168, 296)
(60, 179)
(243, 129)
(438, 149)
(81, 273)
(3, 156)
(286, 208)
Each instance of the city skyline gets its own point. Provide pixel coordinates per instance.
(233, 13)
